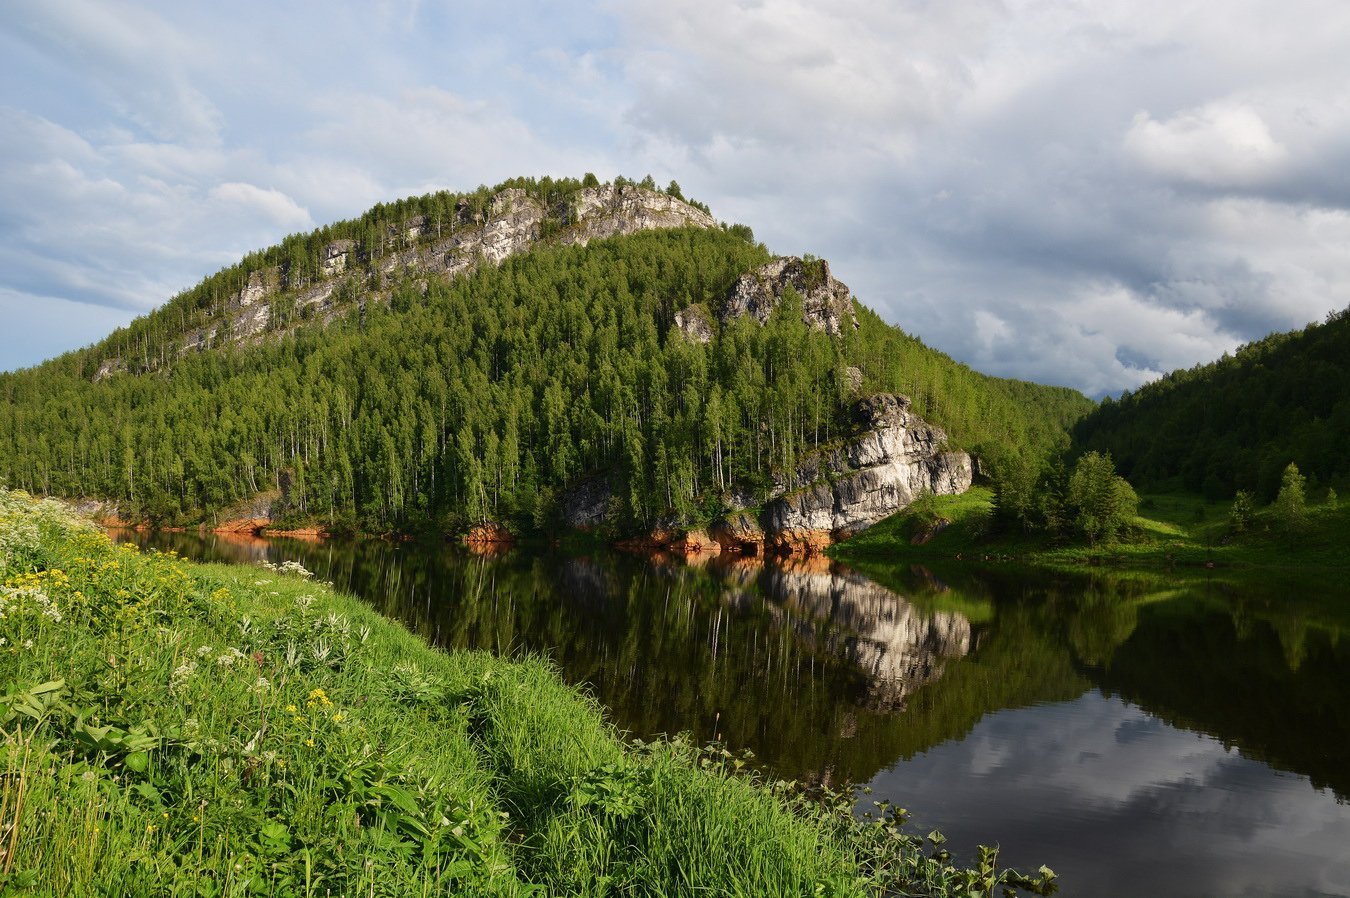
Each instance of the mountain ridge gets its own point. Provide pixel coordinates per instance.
(479, 355)
(279, 295)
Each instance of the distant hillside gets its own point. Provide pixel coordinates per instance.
(1235, 424)
(463, 358)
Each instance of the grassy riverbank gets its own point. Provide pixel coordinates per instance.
(179, 729)
(1181, 534)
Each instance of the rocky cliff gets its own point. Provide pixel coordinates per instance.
(827, 303)
(514, 222)
(894, 458)
(891, 459)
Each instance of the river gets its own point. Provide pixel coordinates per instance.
(1137, 737)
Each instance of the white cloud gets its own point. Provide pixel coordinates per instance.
(1220, 144)
(272, 204)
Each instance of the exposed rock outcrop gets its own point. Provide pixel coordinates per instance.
(513, 222)
(695, 324)
(103, 512)
(108, 368)
(259, 286)
(739, 531)
(826, 303)
(682, 543)
(241, 525)
(489, 539)
(335, 257)
(832, 494)
(895, 457)
(586, 506)
(607, 210)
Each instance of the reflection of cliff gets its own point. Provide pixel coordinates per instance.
(894, 645)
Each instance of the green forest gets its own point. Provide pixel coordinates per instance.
(1237, 423)
(483, 398)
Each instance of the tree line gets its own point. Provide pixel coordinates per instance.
(1237, 423)
(486, 397)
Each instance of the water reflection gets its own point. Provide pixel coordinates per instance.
(1183, 740)
(1128, 804)
(896, 646)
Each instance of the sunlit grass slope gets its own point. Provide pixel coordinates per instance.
(177, 729)
(1181, 533)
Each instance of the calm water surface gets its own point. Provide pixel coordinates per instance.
(1139, 739)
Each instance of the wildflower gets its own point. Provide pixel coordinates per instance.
(181, 674)
(294, 567)
(290, 709)
(309, 742)
(319, 697)
(304, 601)
(230, 657)
(337, 718)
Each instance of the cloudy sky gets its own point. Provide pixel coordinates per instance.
(1084, 193)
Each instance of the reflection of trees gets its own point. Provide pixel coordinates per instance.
(825, 673)
(1275, 689)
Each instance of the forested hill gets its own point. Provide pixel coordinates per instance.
(456, 359)
(1236, 423)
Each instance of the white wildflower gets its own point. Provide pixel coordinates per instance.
(295, 567)
(230, 657)
(304, 601)
(203, 651)
(181, 674)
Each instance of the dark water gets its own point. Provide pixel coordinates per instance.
(1138, 738)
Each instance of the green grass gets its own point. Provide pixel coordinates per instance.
(169, 728)
(1179, 534)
